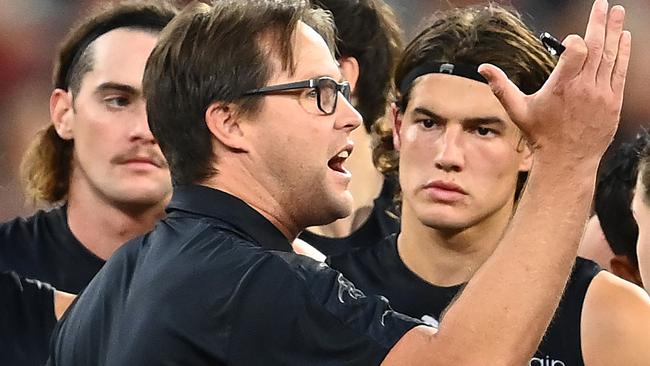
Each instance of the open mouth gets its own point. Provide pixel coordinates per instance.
(336, 163)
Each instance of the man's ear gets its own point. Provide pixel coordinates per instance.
(349, 67)
(61, 113)
(625, 269)
(223, 121)
(396, 118)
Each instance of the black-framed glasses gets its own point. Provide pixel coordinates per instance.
(326, 88)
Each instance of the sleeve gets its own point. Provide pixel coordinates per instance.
(305, 313)
(26, 320)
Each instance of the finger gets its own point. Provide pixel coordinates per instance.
(612, 43)
(571, 62)
(622, 62)
(595, 35)
(512, 99)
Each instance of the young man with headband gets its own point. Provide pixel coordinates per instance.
(462, 167)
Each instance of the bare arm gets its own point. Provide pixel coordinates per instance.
(615, 323)
(62, 301)
(506, 307)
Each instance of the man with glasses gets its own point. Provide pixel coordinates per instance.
(216, 282)
(367, 45)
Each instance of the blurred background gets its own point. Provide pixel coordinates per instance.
(31, 29)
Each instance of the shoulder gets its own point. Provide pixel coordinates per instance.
(26, 228)
(615, 322)
(329, 309)
(25, 241)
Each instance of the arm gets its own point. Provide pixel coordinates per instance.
(506, 307)
(615, 323)
(62, 301)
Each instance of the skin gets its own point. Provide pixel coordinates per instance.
(120, 182)
(62, 301)
(501, 318)
(615, 322)
(455, 131)
(366, 181)
(641, 211)
(594, 245)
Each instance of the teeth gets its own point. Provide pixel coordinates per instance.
(343, 154)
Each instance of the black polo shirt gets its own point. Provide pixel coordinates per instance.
(216, 283)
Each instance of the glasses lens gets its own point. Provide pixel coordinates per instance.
(327, 95)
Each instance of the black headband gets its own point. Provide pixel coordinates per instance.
(464, 70)
(136, 20)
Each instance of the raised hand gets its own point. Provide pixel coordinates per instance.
(577, 111)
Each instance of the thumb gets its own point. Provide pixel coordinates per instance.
(512, 99)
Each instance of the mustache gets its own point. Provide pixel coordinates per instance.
(139, 153)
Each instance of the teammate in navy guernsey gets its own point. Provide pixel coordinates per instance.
(462, 166)
(253, 116)
(98, 163)
(615, 249)
(28, 311)
(367, 45)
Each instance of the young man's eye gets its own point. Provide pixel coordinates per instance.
(427, 123)
(117, 102)
(484, 131)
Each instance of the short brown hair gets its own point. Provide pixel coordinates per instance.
(45, 168)
(217, 53)
(472, 36)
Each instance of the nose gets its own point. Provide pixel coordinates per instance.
(347, 117)
(140, 125)
(450, 157)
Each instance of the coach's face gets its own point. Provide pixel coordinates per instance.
(300, 150)
(116, 158)
(641, 211)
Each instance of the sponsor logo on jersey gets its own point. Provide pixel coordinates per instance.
(546, 361)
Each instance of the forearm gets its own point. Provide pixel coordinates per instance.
(508, 304)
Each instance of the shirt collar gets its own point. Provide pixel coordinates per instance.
(217, 204)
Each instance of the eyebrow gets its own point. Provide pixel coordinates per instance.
(474, 121)
(112, 86)
(316, 75)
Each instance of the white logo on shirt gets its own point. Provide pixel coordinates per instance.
(546, 361)
(346, 286)
(429, 320)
